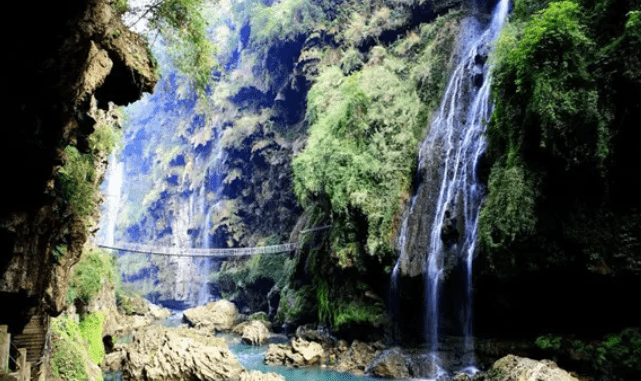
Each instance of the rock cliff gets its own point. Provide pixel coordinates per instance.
(59, 67)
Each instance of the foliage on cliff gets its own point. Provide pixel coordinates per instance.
(615, 356)
(77, 346)
(363, 138)
(360, 152)
(561, 137)
(77, 178)
(183, 24)
(90, 274)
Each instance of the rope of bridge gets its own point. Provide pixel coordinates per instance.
(172, 251)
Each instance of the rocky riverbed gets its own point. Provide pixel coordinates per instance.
(152, 351)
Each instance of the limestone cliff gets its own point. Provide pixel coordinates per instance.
(58, 68)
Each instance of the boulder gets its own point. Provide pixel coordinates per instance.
(158, 312)
(320, 335)
(299, 353)
(172, 354)
(253, 332)
(390, 363)
(514, 368)
(255, 375)
(218, 316)
(312, 352)
(359, 355)
(114, 361)
(281, 354)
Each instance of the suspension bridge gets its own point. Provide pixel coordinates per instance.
(193, 252)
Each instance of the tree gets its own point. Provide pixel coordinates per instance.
(182, 24)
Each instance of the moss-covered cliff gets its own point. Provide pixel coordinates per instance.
(224, 177)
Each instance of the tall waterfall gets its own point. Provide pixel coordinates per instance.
(112, 200)
(448, 158)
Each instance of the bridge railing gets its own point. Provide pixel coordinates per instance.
(199, 252)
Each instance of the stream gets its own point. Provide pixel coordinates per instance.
(251, 357)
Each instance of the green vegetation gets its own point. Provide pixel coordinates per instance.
(58, 252)
(234, 277)
(559, 108)
(365, 125)
(282, 21)
(508, 214)
(76, 345)
(70, 356)
(105, 138)
(294, 304)
(361, 148)
(120, 6)
(548, 342)
(91, 330)
(182, 23)
(77, 181)
(563, 124)
(90, 274)
(77, 178)
(359, 313)
(616, 355)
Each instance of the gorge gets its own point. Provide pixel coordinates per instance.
(451, 192)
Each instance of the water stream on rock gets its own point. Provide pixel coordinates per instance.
(450, 156)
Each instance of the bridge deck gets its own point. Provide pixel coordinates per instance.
(199, 252)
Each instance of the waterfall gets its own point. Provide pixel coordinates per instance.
(112, 199)
(204, 296)
(449, 156)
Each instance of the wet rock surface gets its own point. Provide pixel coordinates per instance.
(514, 368)
(218, 316)
(254, 332)
(323, 349)
(258, 376)
(55, 69)
(157, 353)
(298, 353)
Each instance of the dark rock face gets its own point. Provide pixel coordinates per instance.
(55, 67)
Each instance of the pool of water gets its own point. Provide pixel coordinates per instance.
(251, 357)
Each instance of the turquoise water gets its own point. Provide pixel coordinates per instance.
(251, 357)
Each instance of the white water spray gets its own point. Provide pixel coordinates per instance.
(453, 148)
(112, 198)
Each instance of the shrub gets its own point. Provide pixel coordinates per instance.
(182, 23)
(283, 20)
(294, 303)
(120, 6)
(361, 148)
(105, 138)
(94, 269)
(548, 342)
(509, 211)
(91, 330)
(547, 104)
(76, 179)
(69, 354)
(359, 313)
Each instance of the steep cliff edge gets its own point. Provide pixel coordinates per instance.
(56, 69)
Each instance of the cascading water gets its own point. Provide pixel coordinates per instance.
(112, 199)
(203, 294)
(449, 155)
